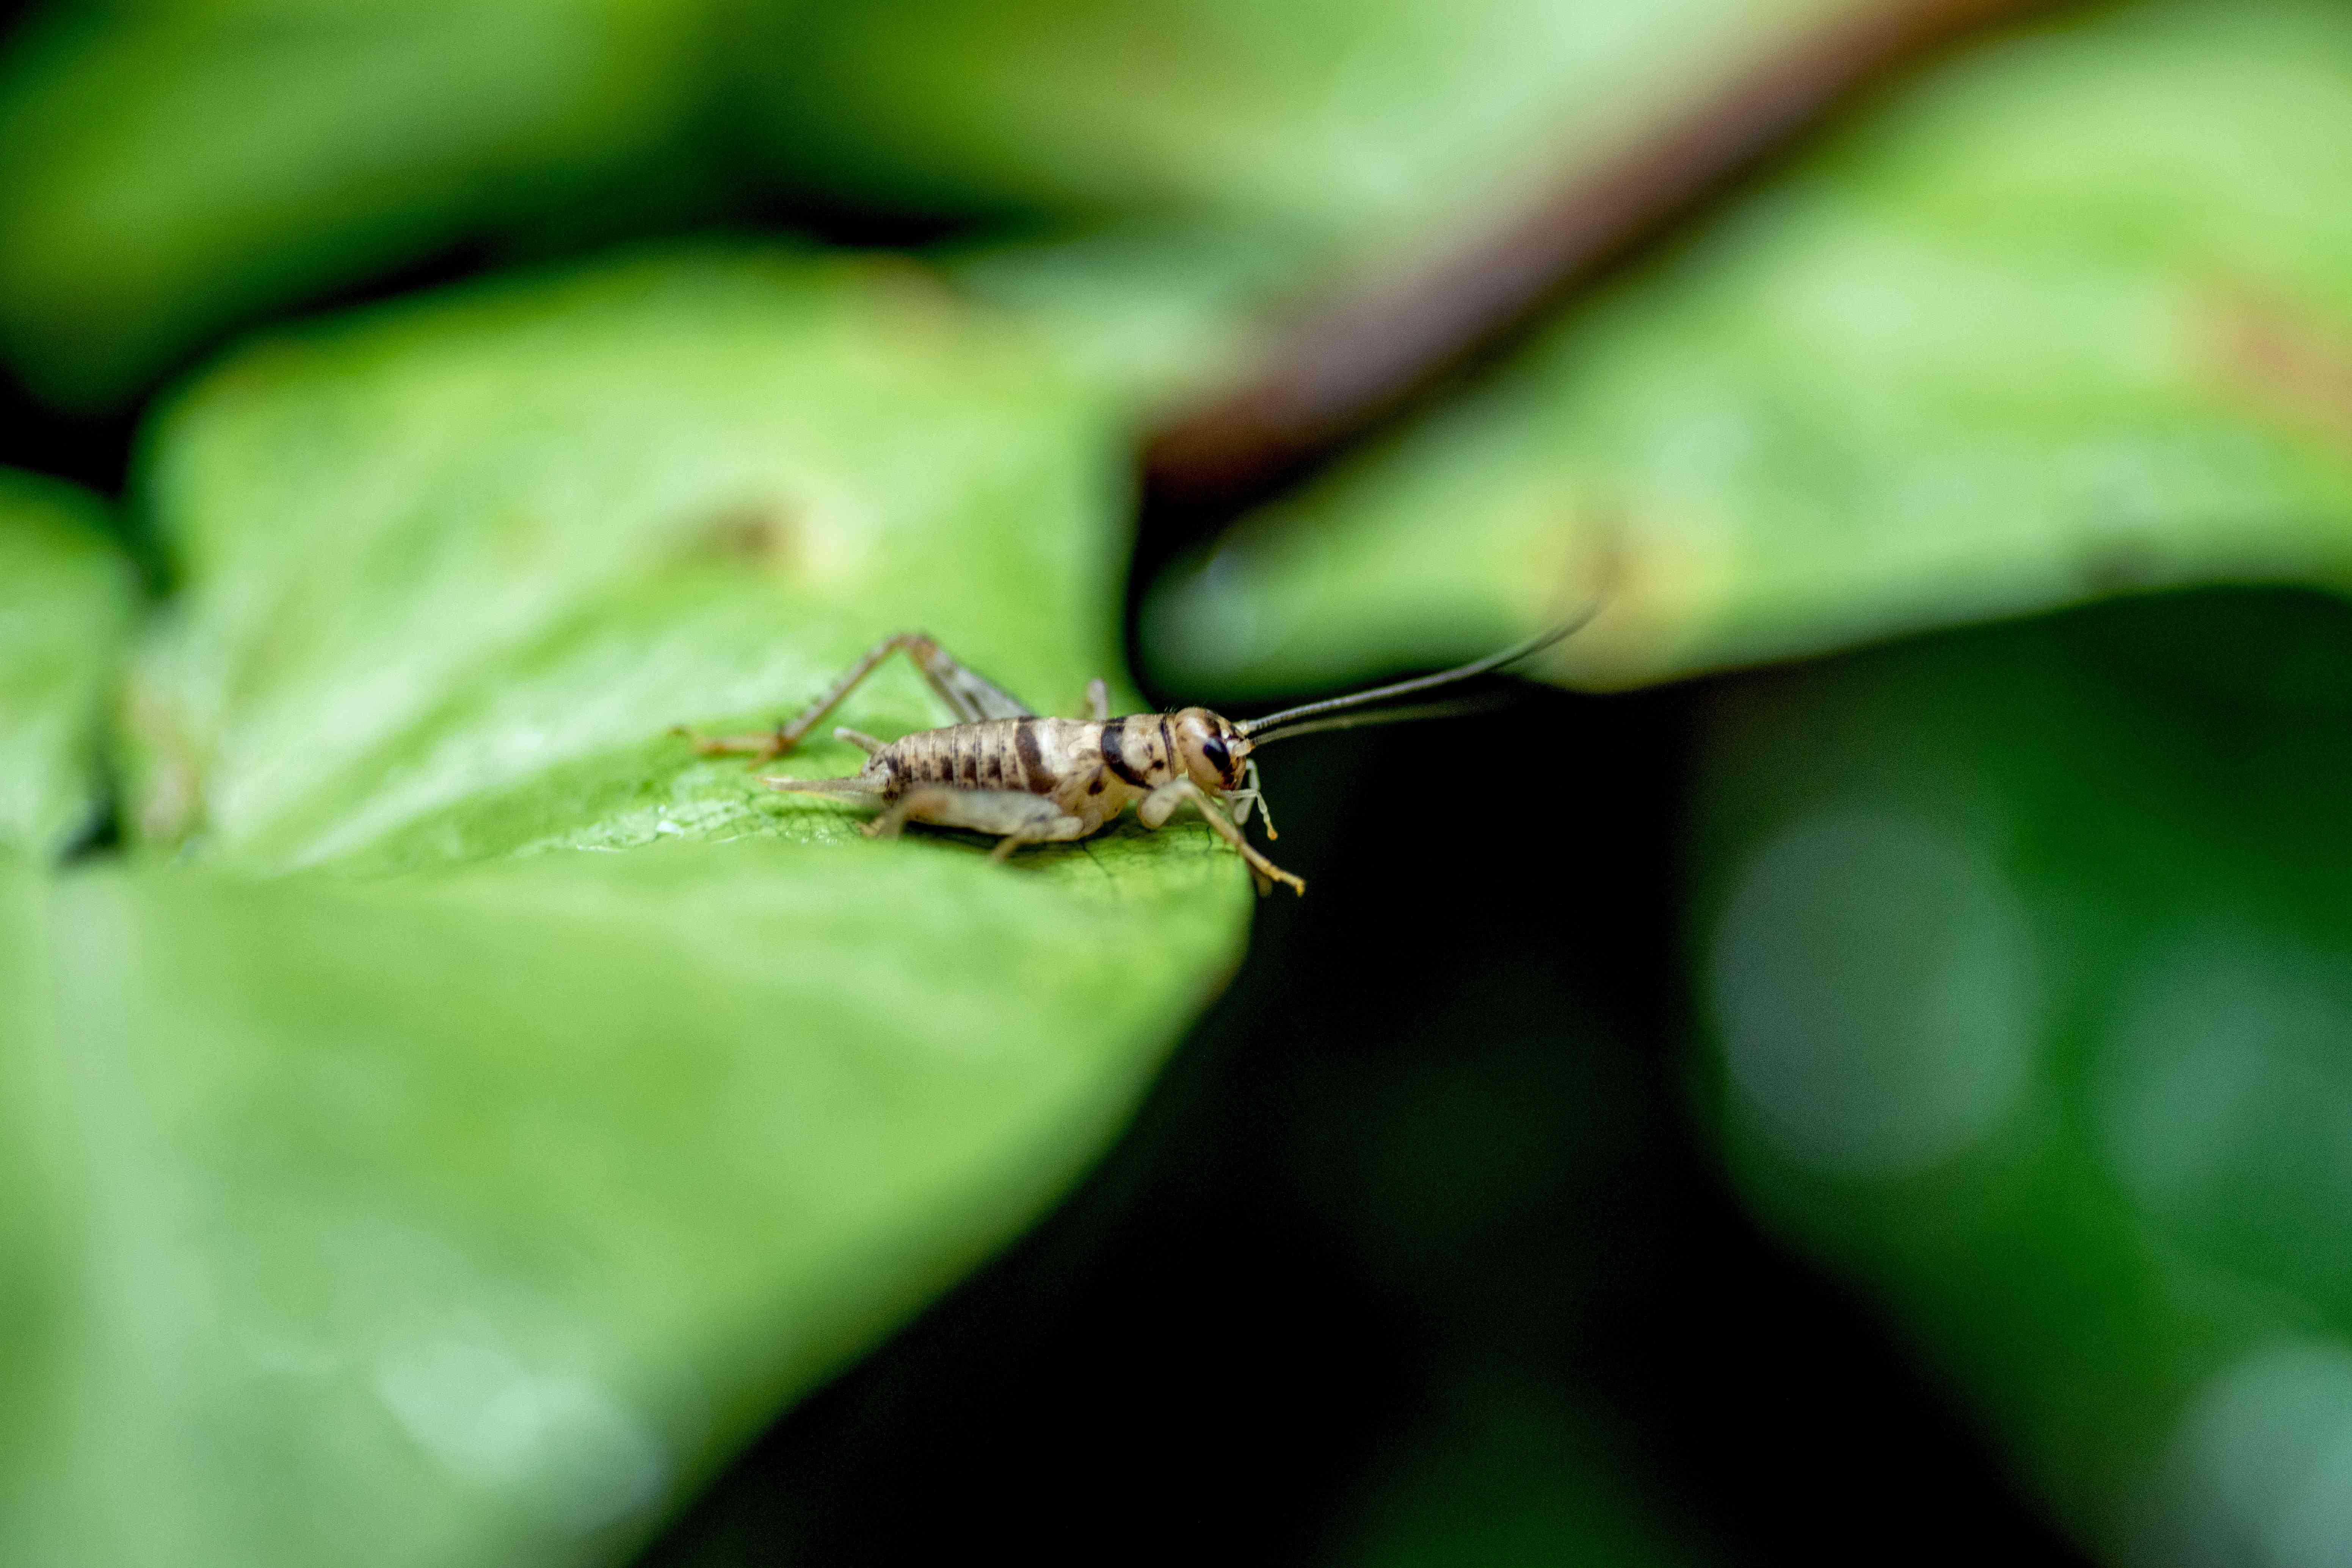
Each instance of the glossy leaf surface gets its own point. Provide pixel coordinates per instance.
(504, 542)
(472, 1218)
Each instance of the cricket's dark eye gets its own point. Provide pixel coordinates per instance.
(1220, 758)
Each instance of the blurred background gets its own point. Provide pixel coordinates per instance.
(1854, 1060)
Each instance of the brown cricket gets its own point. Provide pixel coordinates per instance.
(1001, 768)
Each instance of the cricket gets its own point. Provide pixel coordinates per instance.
(1027, 778)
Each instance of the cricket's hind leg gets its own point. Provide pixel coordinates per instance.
(1016, 816)
(970, 695)
(760, 748)
(767, 743)
(852, 789)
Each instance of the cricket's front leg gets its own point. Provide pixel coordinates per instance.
(1160, 804)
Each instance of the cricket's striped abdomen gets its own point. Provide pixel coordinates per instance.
(1036, 756)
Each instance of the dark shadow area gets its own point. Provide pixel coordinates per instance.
(1436, 1124)
(90, 450)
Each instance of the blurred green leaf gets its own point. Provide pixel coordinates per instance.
(35, 1227)
(473, 1218)
(2070, 314)
(66, 598)
(2028, 961)
(1151, 314)
(1357, 127)
(471, 1214)
(166, 169)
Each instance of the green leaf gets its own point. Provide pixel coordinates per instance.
(473, 1218)
(2070, 314)
(66, 598)
(35, 1230)
(2022, 954)
(456, 570)
(168, 170)
(1153, 314)
(1342, 129)
(467, 1197)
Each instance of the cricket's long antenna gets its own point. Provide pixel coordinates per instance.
(1453, 708)
(1256, 728)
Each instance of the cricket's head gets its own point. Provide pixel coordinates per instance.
(1212, 749)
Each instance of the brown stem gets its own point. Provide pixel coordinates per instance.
(1350, 367)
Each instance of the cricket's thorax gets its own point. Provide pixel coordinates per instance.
(1078, 762)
